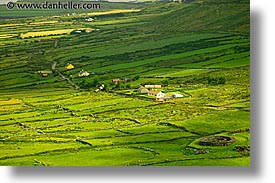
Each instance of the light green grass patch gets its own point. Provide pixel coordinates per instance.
(217, 122)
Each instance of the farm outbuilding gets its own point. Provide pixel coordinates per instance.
(177, 95)
(44, 73)
(142, 89)
(44, 40)
(152, 86)
(116, 81)
(89, 19)
(100, 88)
(83, 73)
(69, 66)
(88, 30)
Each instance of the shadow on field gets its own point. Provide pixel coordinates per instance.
(151, 173)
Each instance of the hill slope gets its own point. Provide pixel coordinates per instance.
(216, 16)
(198, 52)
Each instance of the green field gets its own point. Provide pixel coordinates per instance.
(199, 49)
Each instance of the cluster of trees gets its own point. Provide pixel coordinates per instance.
(120, 86)
(94, 83)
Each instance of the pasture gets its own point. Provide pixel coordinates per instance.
(46, 121)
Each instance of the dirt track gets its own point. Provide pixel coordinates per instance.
(63, 76)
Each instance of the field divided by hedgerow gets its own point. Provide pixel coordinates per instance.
(61, 119)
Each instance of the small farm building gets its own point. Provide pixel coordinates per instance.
(152, 86)
(89, 19)
(177, 95)
(116, 81)
(83, 73)
(69, 66)
(88, 30)
(142, 89)
(45, 73)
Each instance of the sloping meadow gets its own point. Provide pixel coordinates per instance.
(199, 50)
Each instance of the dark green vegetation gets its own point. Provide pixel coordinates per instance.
(200, 50)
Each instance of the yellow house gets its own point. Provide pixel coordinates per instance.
(69, 66)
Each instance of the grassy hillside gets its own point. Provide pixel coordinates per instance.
(200, 50)
(216, 16)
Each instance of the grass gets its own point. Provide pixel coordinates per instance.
(112, 12)
(157, 59)
(45, 121)
(185, 72)
(217, 122)
(209, 162)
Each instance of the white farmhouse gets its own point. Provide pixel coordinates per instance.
(158, 94)
(89, 19)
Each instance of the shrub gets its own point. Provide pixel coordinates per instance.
(136, 78)
(216, 81)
